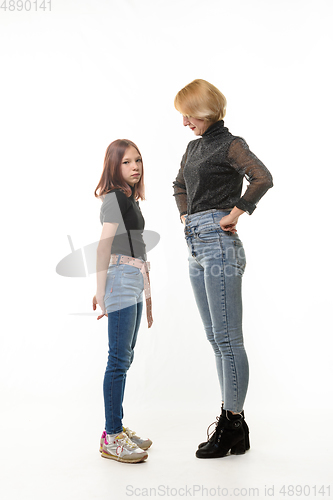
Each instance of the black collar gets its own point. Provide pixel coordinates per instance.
(215, 130)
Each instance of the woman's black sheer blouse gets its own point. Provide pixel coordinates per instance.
(212, 171)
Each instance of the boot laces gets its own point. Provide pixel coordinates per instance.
(209, 435)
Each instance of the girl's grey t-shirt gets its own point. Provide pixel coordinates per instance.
(125, 211)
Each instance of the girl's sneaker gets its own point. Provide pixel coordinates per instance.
(119, 447)
(103, 436)
(144, 444)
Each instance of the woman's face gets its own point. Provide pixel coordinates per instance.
(131, 166)
(198, 126)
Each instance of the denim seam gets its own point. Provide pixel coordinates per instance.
(115, 352)
(118, 326)
(227, 336)
(110, 288)
(114, 372)
(117, 358)
(225, 345)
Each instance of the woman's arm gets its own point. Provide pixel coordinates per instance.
(102, 263)
(247, 164)
(259, 177)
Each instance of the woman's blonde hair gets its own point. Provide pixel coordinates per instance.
(201, 100)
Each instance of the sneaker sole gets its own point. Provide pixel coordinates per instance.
(128, 460)
(142, 448)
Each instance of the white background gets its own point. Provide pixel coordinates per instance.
(72, 81)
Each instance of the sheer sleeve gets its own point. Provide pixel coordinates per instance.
(179, 189)
(248, 165)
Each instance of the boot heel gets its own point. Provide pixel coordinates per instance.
(239, 448)
(247, 442)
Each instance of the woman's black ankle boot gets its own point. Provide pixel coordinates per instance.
(246, 433)
(212, 437)
(229, 435)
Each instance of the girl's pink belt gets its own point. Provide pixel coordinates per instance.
(144, 268)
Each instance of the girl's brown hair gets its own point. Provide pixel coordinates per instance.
(112, 178)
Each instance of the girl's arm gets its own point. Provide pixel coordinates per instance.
(102, 263)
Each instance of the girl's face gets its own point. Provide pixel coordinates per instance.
(131, 166)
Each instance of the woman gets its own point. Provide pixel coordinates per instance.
(122, 276)
(208, 194)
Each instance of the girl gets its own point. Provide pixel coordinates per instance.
(122, 276)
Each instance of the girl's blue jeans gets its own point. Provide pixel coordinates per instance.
(216, 266)
(123, 302)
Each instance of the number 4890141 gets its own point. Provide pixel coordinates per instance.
(26, 5)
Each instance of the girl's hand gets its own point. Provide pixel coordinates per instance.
(228, 223)
(183, 218)
(100, 301)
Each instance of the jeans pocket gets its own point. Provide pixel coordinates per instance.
(131, 271)
(239, 256)
(208, 233)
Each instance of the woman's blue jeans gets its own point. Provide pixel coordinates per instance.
(216, 266)
(123, 302)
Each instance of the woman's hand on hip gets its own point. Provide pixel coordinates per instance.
(99, 299)
(228, 222)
